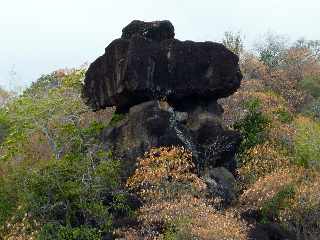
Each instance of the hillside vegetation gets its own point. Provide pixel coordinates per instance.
(57, 181)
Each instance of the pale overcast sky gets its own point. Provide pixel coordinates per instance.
(39, 36)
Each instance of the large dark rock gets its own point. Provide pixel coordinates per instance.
(157, 30)
(155, 123)
(148, 64)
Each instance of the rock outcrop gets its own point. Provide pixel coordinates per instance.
(155, 123)
(168, 90)
(147, 63)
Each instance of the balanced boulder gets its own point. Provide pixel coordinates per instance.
(168, 90)
(147, 63)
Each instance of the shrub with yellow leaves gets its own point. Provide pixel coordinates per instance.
(265, 188)
(175, 203)
(307, 142)
(164, 173)
(188, 217)
(302, 215)
(261, 160)
(252, 67)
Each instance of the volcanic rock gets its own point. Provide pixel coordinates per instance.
(168, 91)
(157, 30)
(156, 123)
(146, 63)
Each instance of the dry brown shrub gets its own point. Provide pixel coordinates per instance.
(103, 116)
(299, 63)
(24, 229)
(266, 187)
(302, 215)
(251, 67)
(260, 161)
(282, 134)
(175, 197)
(234, 109)
(234, 106)
(164, 173)
(287, 88)
(194, 218)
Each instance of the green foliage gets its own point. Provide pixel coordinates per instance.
(253, 127)
(283, 115)
(116, 117)
(58, 232)
(177, 230)
(311, 84)
(8, 199)
(50, 108)
(56, 169)
(69, 188)
(272, 50)
(313, 109)
(307, 142)
(271, 209)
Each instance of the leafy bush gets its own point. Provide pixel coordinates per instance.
(253, 127)
(165, 173)
(271, 50)
(313, 109)
(302, 214)
(58, 232)
(307, 142)
(116, 117)
(55, 168)
(281, 200)
(311, 84)
(174, 200)
(261, 160)
(71, 189)
(283, 115)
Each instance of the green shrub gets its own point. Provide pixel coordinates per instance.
(71, 189)
(307, 142)
(271, 209)
(313, 109)
(311, 85)
(8, 199)
(253, 127)
(58, 232)
(116, 117)
(283, 115)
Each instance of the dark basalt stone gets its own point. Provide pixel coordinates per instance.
(148, 64)
(168, 90)
(157, 30)
(155, 124)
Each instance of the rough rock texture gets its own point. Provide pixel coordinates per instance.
(157, 31)
(155, 123)
(168, 90)
(221, 183)
(147, 63)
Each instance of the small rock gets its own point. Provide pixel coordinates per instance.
(221, 183)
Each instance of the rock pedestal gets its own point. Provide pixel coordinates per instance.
(168, 90)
